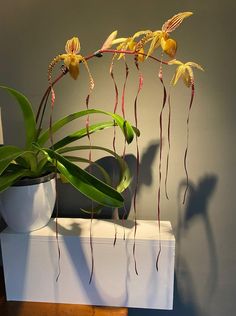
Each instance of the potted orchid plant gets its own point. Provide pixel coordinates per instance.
(42, 158)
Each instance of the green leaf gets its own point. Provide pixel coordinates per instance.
(125, 178)
(104, 173)
(125, 126)
(7, 180)
(84, 182)
(82, 133)
(28, 115)
(24, 158)
(7, 155)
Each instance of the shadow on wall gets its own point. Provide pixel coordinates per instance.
(70, 201)
(184, 292)
(197, 209)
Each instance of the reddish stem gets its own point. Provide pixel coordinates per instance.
(44, 99)
(140, 85)
(116, 100)
(96, 54)
(168, 153)
(127, 52)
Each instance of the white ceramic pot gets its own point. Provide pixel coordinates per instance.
(28, 205)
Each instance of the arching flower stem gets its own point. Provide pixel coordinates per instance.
(127, 52)
(99, 53)
(43, 103)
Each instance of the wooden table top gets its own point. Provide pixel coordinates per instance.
(52, 309)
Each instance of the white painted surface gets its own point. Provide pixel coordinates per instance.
(26, 208)
(32, 277)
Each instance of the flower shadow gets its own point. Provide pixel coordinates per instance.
(196, 210)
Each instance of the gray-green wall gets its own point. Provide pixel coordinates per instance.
(32, 32)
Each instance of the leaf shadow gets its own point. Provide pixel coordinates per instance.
(70, 201)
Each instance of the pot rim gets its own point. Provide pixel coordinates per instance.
(34, 181)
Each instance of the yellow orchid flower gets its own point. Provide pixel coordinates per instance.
(124, 44)
(158, 38)
(71, 58)
(185, 71)
(161, 37)
(129, 43)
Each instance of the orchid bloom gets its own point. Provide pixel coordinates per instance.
(71, 58)
(161, 37)
(185, 71)
(129, 43)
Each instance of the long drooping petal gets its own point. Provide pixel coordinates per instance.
(140, 85)
(160, 159)
(185, 71)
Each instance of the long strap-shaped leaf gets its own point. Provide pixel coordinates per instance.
(28, 115)
(105, 174)
(83, 181)
(96, 209)
(125, 126)
(125, 178)
(7, 155)
(82, 133)
(9, 179)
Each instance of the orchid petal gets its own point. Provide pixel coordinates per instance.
(154, 44)
(139, 33)
(109, 41)
(141, 57)
(187, 76)
(74, 71)
(175, 62)
(120, 56)
(171, 24)
(63, 56)
(195, 65)
(178, 73)
(67, 60)
(119, 40)
(72, 46)
(131, 45)
(91, 81)
(169, 46)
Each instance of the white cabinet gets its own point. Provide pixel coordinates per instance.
(31, 263)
